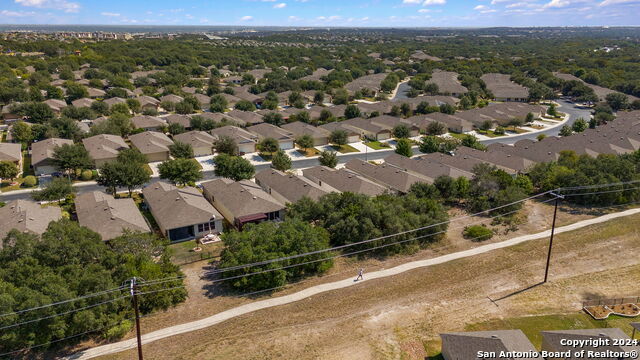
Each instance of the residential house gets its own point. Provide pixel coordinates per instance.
(104, 147)
(42, 155)
(245, 140)
(287, 188)
(12, 153)
(148, 102)
(114, 100)
(513, 163)
(264, 130)
(183, 120)
(426, 169)
(200, 141)
(235, 79)
(392, 122)
(419, 55)
(464, 163)
(369, 82)
(245, 117)
(153, 144)
(503, 89)
(84, 102)
(353, 135)
(108, 216)
(447, 82)
(26, 216)
(396, 179)
(171, 98)
(468, 345)
(452, 122)
(149, 123)
(320, 136)
(56, 105)
(317, 75)
(242, 202)
(96, 93)
(8, 115)
(343, 180)
(368, 129)
(601, 340)
(181, 213)
(204, 101)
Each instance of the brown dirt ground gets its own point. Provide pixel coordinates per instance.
(398, 317)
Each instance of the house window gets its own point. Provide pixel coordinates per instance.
(211, 225)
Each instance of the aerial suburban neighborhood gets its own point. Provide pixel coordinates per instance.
(321, 190)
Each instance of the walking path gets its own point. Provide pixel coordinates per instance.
(314, 290)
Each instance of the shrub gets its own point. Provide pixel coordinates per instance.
(30, 181)
(86, 175)
(477, 233)
(499, 130)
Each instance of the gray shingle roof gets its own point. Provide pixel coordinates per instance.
(108, 216)
(24, 215)
(104, 146)
(291, 187)
(241, 198)
(344, 180)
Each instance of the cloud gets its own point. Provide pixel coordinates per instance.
(110, 14)
(614, 2)
(8, 13)
(66, 6)
(424, 2)
(557, 4)
(246, 18)
(280, 6)
(480, 7)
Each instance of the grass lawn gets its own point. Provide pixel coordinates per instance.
(310, 152)
(377, 145)
(532, 325)
(148, 169)
(345, 149)
(457, 135)
(489, 133)
(197, 163)
(517, 130)
(182, 252)
(6, 185)
(26, 164)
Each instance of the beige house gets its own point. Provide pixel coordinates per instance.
(104, 147)
(149, 123)
(242, 202)
(42, 155)
(320, 136)
(200, 141)
(26, 216)
(245, 140)
(154, 145)
(181, 213)
(264, 130)
(108, 216)
(288, 188)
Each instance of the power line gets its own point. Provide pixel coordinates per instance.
(60, 314)
(601, 192)
(64, 301)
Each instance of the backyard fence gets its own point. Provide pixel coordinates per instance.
(611, 302)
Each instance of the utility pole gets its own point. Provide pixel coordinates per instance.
(553, 229)
(133, 287)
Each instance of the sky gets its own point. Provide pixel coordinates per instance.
(325, 13)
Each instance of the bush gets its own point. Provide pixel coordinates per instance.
(86, 175)
(477, 233)
(29, 181)
(119, 331)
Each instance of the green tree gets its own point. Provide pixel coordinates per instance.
(401, 131)
(21, 132)
(218, 103)
(579, 125)
(233, 167)
(281, 161)
(180, 150)
(180, 171)
(56, 190)
(226, 145)
(436, 128)
(328, 159)
(245, 105)
(472, 142)
(268, 145)
(566, 131)
(551, 111)
(76, 91)
(403, 147)
(429, 144)
(8, 170)
(176, 128)
(70, 157)
(617, 101)
(274, 118)
(351, 111)
(305, 142)
(338, 137)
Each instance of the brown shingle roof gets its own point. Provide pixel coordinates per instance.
(108, 216)
(343, 180)
(24, 215)
(241, 198)
(389, 176)
(43, 150)
(291, 187)
(150, 142)
(10, 152)
(104, 146)
(196, 139)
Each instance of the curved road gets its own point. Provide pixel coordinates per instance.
(314, 290)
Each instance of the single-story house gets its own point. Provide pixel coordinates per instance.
(264, 130)
(556, 341)
(153, 144)
(245, 140)
(42, 155)
(183, 120)
(320, 136)
(26, 216)
(114, 100)
(148, 102)
(204, 100)
(467, 345)
(104, 147)
(147, 122)
(242, 202)
(12, 153)
(84, 102)
(56, 105)
(96, 93)
(424, 168)
(352, 135)
(200, 141)
(245, 117)
(447, 82)
(287, 188)
(181, 213)
(503, 89)
(9, 116)
(396, 179)
(171, 98)
(108, 216)
(369, 129)
(343, 180)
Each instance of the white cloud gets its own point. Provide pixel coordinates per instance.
(411, 1)
(480, 7)
(110, 14)
(280, 6)
(424, 10)
(613, 2)
(246, 18)
(557, 4)
(64, 5)
(434, 2)
(8, 13)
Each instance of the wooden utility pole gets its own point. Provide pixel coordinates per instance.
(553, 229)
(134, 298)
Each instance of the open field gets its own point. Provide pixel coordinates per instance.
(400, 316)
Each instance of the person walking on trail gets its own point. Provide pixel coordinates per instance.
(360, 273)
